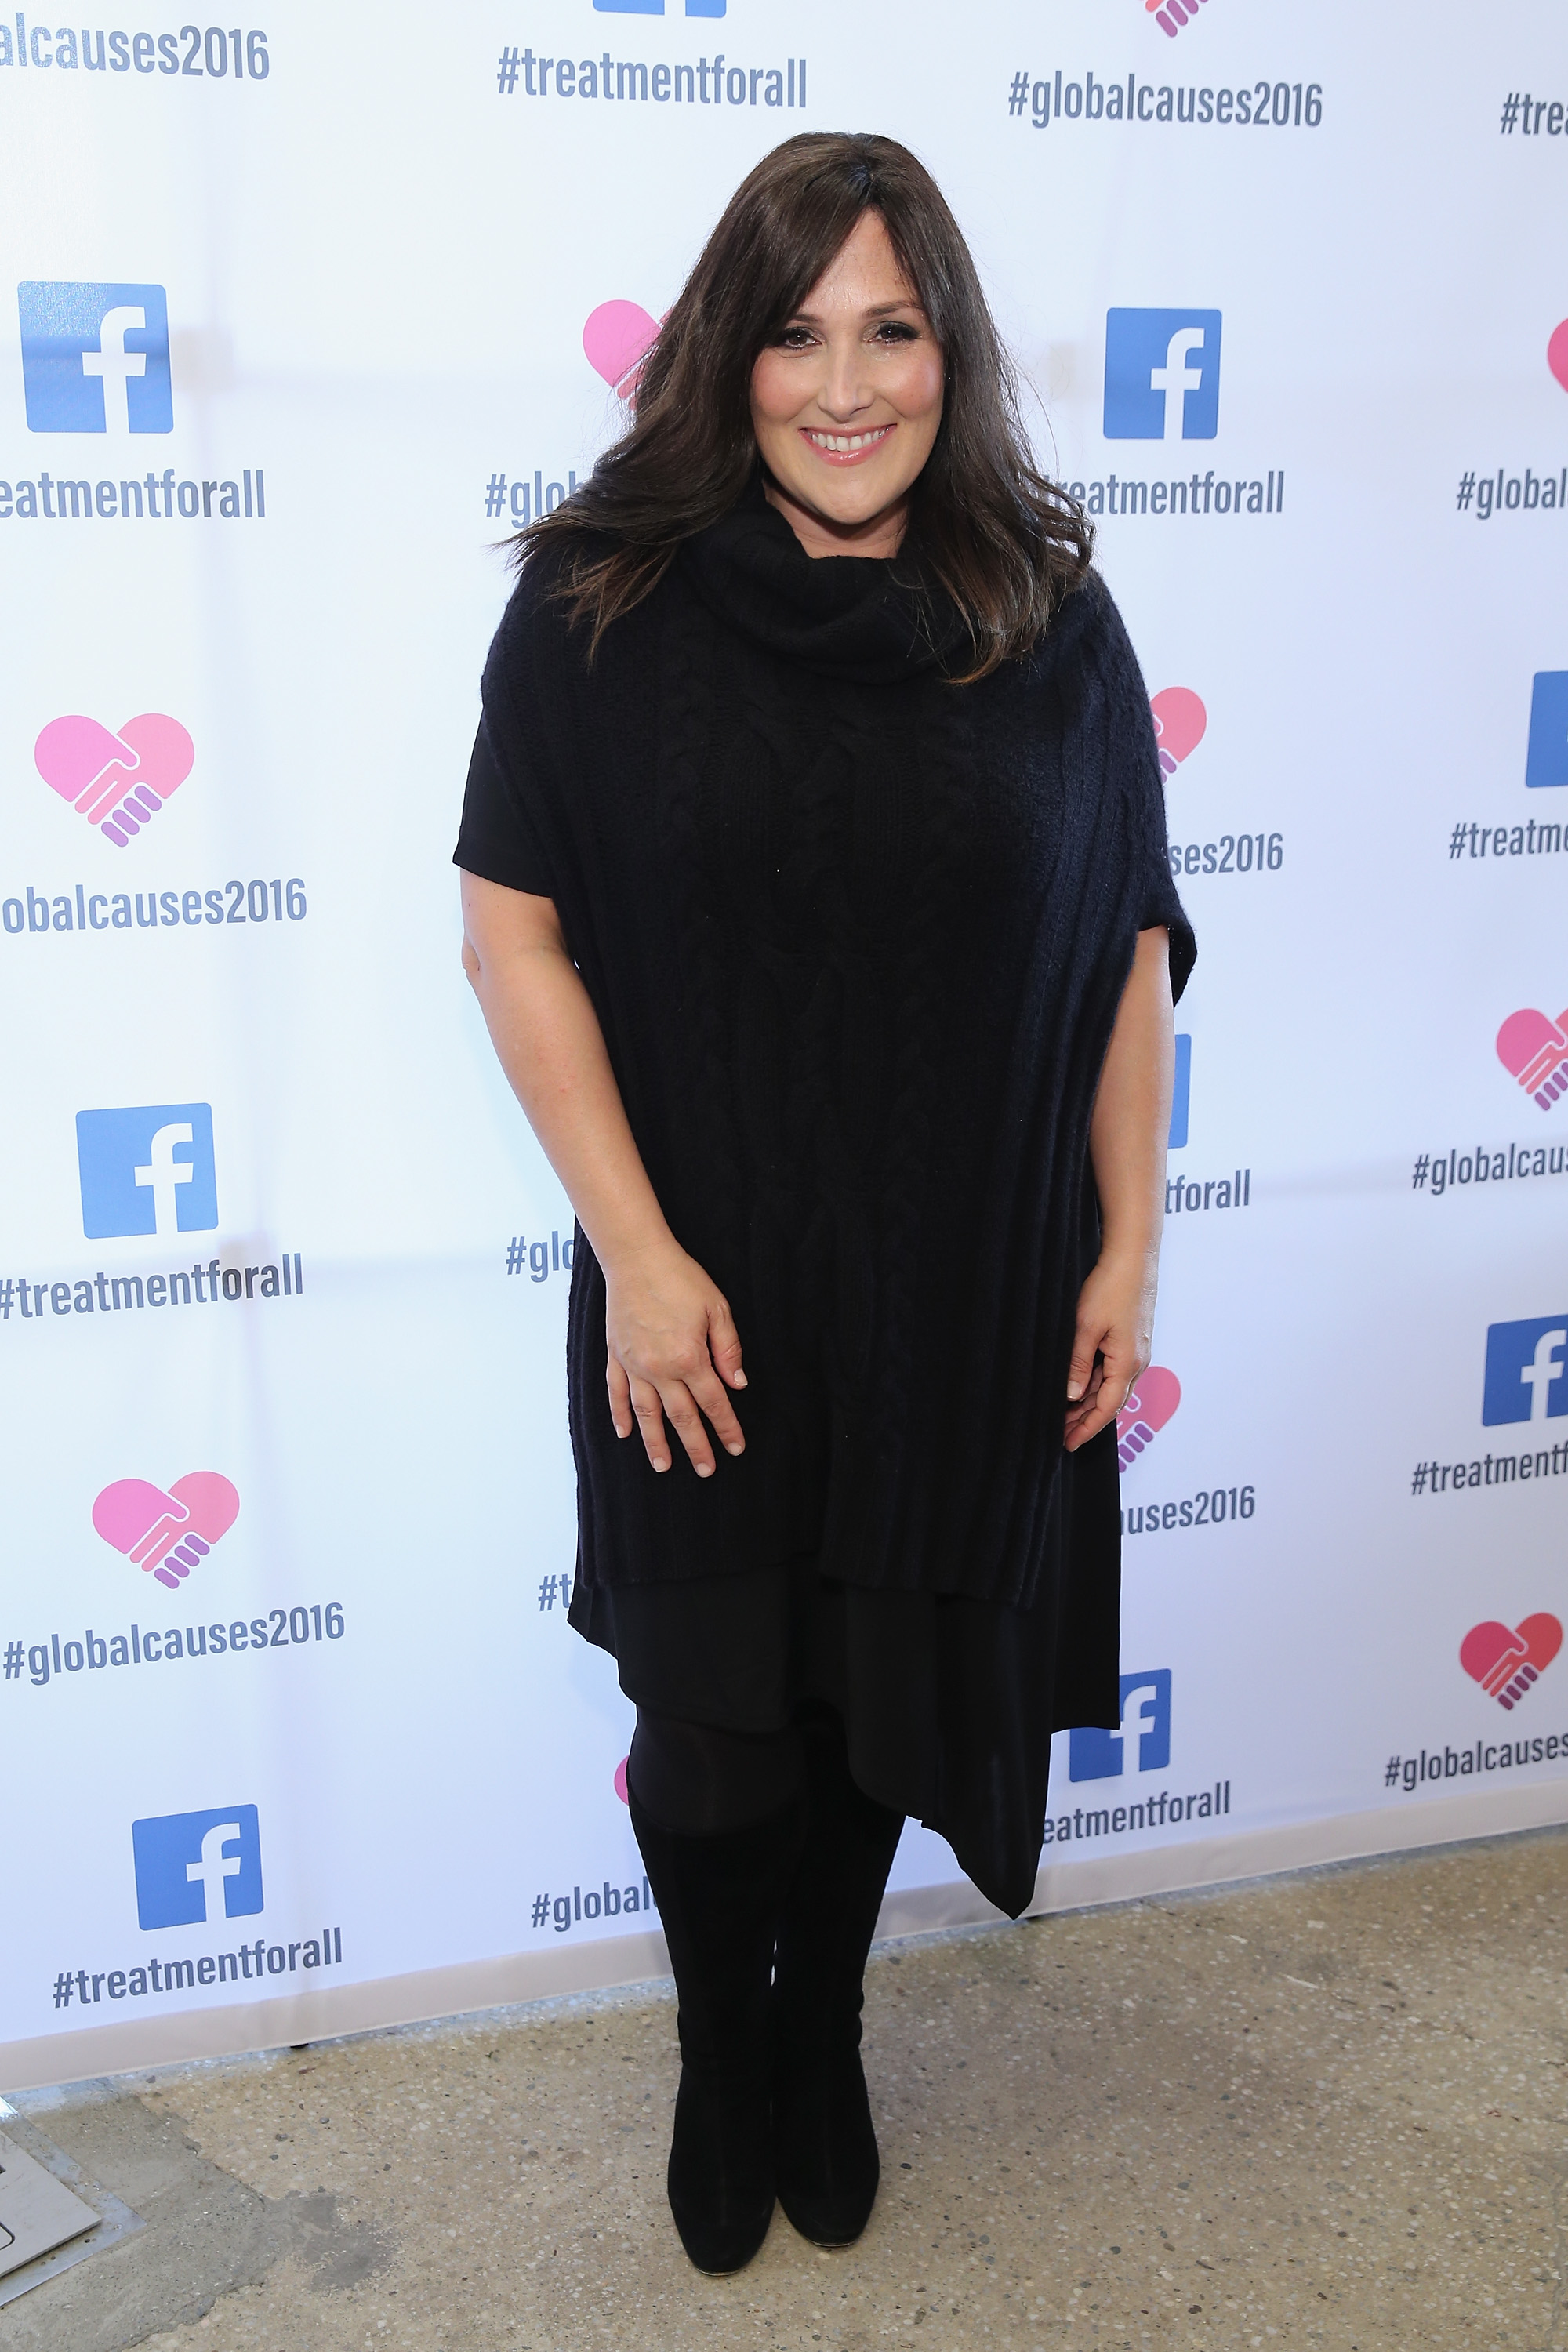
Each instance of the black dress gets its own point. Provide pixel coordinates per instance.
(856, 938)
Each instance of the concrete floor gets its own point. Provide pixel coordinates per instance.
(1327, 2110)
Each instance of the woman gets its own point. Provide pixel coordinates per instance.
(816, 894)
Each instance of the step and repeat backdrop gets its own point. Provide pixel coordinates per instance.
(298, 319)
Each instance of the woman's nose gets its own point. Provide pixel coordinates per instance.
(846, 389)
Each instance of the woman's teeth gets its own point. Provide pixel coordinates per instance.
(845, 444)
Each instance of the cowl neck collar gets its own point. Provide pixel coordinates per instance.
(865, 619)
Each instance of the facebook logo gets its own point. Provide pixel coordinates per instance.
(147, 1170)
(1527, 1371)
(1546, 762)
(95, 359)
(196, 1867)
(1161, 375)
(1181, 1095)
(1095, 1755)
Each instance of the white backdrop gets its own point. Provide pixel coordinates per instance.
(385, 276)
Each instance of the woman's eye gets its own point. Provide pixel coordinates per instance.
(898, 331)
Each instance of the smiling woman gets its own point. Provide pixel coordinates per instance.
(816, 891)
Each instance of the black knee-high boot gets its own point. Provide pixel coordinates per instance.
(825, 2148)
(719, 1898)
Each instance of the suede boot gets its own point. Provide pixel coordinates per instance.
(825, 2147)
(719, 1899)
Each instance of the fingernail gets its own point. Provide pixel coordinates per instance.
(705, 1469)
(739, 1380)
(735, 1449)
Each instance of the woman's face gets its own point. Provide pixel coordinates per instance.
(846, 401)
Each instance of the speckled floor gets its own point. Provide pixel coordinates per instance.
(1326, 2110)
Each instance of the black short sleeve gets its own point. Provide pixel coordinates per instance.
(1162, 906)
(1137, 761)
(496, 839)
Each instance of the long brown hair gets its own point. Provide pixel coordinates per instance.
(1004, 542)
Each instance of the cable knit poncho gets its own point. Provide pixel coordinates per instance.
(856, 938)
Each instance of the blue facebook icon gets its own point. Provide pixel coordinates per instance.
(1181, 1094)
(1546, 760)
(95, 359)
(1161, 375)
(196, 1867)
(147, 1170)
(1527, 1371)
(1094, 1755)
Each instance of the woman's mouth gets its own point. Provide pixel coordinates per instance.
(846, 448)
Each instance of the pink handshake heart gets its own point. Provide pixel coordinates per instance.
(1536, 1050)
(1505, 1659)
(1557, 353)
(1150, 1404)
(618, 338)
(167, 1533)
(1180, 719)
(118, 782)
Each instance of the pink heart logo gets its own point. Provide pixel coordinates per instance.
(1150, 1404)
(618, 338)
(1557, 353)
(167, 1533)
(1535, 1049)
(117, 781)
(1505, 1659)
(621, 1778)
(1179, 721)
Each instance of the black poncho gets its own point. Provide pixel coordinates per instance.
(856, 938)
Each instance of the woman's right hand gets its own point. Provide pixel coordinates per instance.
(673, 1348)
(673, 1345)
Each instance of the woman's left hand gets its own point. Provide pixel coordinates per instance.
(1111, 1345)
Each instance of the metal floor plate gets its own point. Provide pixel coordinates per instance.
(38, 2212)
(51, 2215)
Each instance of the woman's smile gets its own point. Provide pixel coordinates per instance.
(846, 448)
